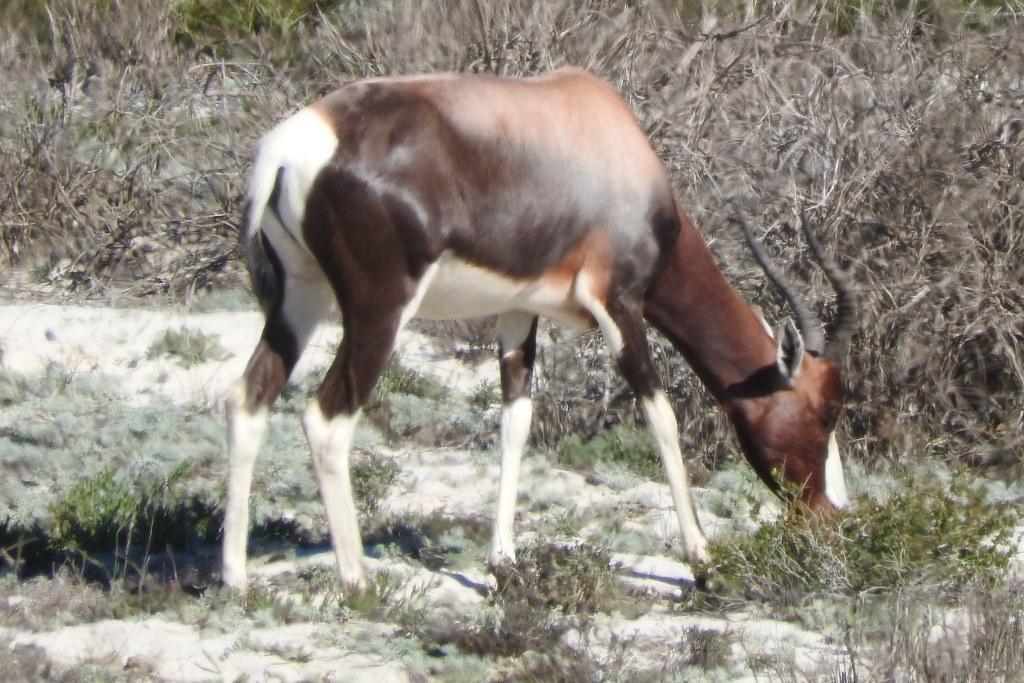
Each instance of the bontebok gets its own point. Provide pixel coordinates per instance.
(453, 196)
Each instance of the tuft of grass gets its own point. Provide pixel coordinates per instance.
(930, 532)
(218, 23)
(24, 663)
(189, 347)
(576, 579)
(707, 649)
(372, 478)
(550, 590)
(131, 518)
(508, 630)
(629, 446)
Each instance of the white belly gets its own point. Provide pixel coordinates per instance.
(456, 289)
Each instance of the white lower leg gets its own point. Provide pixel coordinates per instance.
(515, 428)
(661, 421)
(330, 442)
(245, 431)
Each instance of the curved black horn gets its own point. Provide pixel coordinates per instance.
(846, 296)
(807, 321)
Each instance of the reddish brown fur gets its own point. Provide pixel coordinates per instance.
(534, 179)
(591, 256)
(782, 429)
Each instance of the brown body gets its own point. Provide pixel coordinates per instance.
(455, 196)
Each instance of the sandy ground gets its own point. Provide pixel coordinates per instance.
(115, 342)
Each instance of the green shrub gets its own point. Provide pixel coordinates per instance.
(628, 445)
(187, 346)
(574, 579)
(372, 477)
(217, 22)
(110, 512)
(943, 534)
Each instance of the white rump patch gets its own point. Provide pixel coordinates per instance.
(835, 482)
(301, 145)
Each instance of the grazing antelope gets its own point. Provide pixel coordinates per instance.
(452, 196)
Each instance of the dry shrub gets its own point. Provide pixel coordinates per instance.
(573, 579)
(121, 172)
(910, 639)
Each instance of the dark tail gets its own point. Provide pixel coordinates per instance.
(265, 271)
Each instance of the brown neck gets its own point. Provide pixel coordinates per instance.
(692, 304)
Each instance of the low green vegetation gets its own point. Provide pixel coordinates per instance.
(111, 513)
(627, 445)
(941, 533)
(125, 483)
(188, 347)
(864, 576)
(61, 427)
(217, 23)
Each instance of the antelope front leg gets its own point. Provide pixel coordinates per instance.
(635, 362)
(517, 336)
(661, 421)
(515, 427)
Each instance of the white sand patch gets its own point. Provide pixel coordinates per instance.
(117, 342)
(657, 634)
(172, 651)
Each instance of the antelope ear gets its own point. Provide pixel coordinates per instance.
(790, 355)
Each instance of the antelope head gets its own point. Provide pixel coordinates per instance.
(786, 414)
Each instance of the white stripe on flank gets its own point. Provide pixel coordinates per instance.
(609, 330)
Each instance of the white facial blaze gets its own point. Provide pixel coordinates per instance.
(835, 483)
